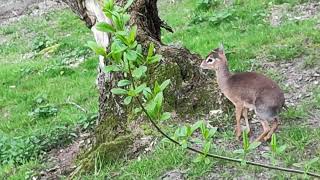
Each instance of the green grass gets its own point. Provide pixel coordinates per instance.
(30, 84)
(245, 36)
(25, 171)
(24, 79)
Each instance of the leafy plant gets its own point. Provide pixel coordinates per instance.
(276, 150)
(247, 147)
(308, 164)
(41, 42)
(44, 111)
(42, 108)
(88, 121)
(211, 11)
(126, 57)
(214, 18)
(26, 71)
(18, 150)
(184, 136)
(207, 4)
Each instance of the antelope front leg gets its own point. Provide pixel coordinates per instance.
(266, 129)
(275, 125)
(238, 118)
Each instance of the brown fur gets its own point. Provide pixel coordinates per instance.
(248, 90)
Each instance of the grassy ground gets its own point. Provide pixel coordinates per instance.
(34, 89)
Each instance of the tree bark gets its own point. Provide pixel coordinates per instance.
(192, 93)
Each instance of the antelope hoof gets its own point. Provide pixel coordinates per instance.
(261, 139)
(266, 138)
(249, 132)
(238, 134)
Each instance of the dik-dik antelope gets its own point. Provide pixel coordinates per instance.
(247, 90)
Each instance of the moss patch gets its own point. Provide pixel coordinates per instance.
(107, 152)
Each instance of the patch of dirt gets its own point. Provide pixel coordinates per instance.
(298, 80)
(11, 11)
(174, 175)
(314, 119)
(61, 160)
(280, 13)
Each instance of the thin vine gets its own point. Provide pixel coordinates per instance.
(126, 56)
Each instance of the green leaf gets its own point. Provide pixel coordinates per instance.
(165, 116)
(140, 88)
(133, 45)
(238, 151)
(151, 49)
(156, 88)
(118, 47)
(207, 161)
(137, 110)
(312, 161)
(183, 131)
(243, 162)
(203, 129)
(165, 84)
(124, 82)
(105, 27)
(128, 4)
(266, 155)
(117, 20)
(122, 37)
(273, 143)
(254, 145)
(131, 55)
(180, 132)
(99, 50)
(139, 49)
(139, 72)
(108, 5)
(207, 147)
(281, 149)
(111, 68)
(158, 100)
(119, 91)
(184, 143)
(154, 59)
(205, 133)
(212, 131)
(116, 57)
(147, 93)
(196, 125)
(189, 132)
(132, 34)
(125, 18)
(151, 109)
(299, 165)
(107, 12)
(198, 159)
(245, 139)
(132, 93)
(127, 100)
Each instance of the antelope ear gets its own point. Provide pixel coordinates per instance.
(221, 48)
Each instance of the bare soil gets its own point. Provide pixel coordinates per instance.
(13, 10)
(283, 12)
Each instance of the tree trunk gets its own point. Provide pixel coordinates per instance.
(192, 93)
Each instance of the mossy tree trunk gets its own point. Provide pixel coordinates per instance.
(191, 92)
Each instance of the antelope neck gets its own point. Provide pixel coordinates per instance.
(222, 74)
